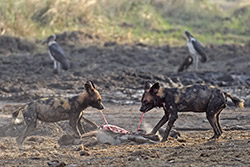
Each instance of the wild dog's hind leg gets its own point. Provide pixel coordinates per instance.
(213, 122)
(218, 118)
(172, 119)
(30, 118)
(215, 106)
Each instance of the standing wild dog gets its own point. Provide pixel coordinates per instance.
(57, 109)
(196, 98)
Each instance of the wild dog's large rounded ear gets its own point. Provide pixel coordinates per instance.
(154, 89)
(147, 86)
(92, 83)
(89, 86)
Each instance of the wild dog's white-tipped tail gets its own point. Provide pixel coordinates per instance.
(239, 103)
(15, 114)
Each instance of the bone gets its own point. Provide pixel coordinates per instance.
(89, 134)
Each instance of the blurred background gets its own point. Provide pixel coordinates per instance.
(121, 44)
(148, 21)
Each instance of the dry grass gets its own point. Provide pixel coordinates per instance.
(148, 21)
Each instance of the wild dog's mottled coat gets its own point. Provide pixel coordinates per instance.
(196, 98)
(57, 109)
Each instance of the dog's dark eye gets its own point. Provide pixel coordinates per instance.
(145, 102)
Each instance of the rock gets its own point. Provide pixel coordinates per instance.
(56, 163)
(173, 133)
(84, 153)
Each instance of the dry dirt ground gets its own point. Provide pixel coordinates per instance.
(119, 72)
(191, 148)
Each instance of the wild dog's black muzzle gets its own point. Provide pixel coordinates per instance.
(98, 105)
(101, 107)
(146, 107)
(142, 109)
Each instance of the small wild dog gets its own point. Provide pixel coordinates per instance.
(196, 98)
(57, 108)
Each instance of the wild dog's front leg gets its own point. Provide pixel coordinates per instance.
(73, 123)
(163, 120)
(79, 125)
(172, 119)
(90, 122)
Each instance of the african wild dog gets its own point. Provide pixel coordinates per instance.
(57, 108)
(196, 98)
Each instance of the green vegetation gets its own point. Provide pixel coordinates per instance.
(149, 21)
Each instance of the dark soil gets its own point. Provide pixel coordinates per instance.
(115, 69)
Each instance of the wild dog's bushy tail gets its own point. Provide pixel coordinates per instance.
(239, 103)
(15, 114)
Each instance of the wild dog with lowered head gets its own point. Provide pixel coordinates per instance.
(57, 109)
(196, 98)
